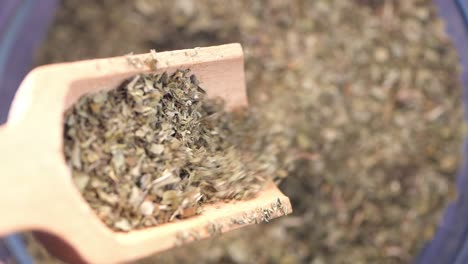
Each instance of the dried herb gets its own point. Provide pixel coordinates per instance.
(155, 150)
(363, 94)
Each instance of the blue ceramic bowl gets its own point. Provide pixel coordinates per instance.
(23, 24)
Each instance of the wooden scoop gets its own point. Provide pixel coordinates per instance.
(37, 192)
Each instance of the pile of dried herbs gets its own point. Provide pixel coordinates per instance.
(362, 95)
(155, 149)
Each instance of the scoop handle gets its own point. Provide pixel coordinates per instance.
(18, 204)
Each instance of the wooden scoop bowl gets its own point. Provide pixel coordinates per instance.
(37, 190)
